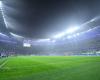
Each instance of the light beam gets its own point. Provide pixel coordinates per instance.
(72, 30)
(15, 35)
(2, 12)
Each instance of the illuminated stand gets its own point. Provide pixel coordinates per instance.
(26, 43)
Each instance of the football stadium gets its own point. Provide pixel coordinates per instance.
(49, 40)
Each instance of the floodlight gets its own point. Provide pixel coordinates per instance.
(53, 41)
(15, 35)
(1, 34)
(43, 40)
(68, 31)
(59, 35)
(0, 4)
(72, 30)
(74, 35)
(78, 34)
(69, 37)
(94, 19)
(2, 13)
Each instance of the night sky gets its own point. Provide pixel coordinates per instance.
(45, 18)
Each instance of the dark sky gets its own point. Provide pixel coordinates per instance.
(45, 18)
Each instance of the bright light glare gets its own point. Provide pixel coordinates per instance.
(69, 37)
(53, 41)
(72, 29)
(78, 34)
(59, 35)
(68, 31)
(2, 12)
(74, 35)
(0, 3)
(43, 40)
(3, 35)
(15, 35)
(26, 45)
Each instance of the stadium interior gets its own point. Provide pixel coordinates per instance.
(49, 39)
(81, 40)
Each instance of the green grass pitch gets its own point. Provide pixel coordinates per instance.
(50, 68)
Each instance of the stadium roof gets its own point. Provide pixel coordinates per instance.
(40, 19)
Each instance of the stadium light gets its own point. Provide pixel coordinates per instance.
(72, 30)
(69, 37)
(68, 31)
(59, 35)
(2, 13)
(15, 35)
(1, 34)
(78, 34)
(0, 4)
(43, 40)
(53, 41)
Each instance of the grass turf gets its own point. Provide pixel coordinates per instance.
(51, 68)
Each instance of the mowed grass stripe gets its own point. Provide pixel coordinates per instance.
(3, 61)
(51, 68)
